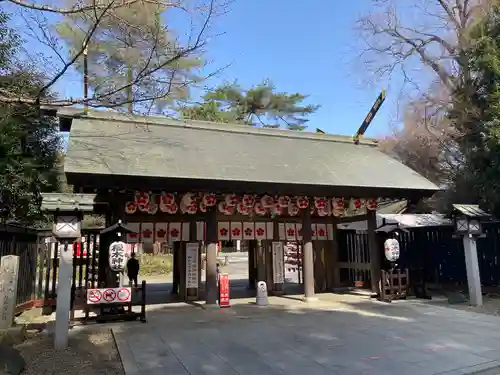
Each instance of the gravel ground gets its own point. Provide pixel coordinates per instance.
(90, 352)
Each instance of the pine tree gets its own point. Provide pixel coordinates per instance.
(132, 56)
(258, 106)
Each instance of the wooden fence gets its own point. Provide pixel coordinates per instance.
(432, 252)
(38, 265)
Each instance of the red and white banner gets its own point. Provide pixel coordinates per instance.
(260, 231)
(248, 231)
(109, 295)
(174, 232)
(223, 231)
(161, 232)
(134, 237)
(321, 233)
(236, 230)
(147, 232)
(224, 298)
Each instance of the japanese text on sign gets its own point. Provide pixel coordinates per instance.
(192, 265)
(224, 290)
(117, 256)
(278, 266)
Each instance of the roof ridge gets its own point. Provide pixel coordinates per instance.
(208, 125)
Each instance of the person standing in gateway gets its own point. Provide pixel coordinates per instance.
(132, 269)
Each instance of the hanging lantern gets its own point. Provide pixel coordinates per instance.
(275, 209)
(284, 201)
(338, 204)
(258, 209)
(166, 199)
(209, 199)
(172, 208)
(152, 208)
(143, 207)
(248, 200)
(130, 207)
(371, 204)
(357, 204)
(242, 209)
(231, 200)
(187, 200)
(293, 209)
(192, 208)
(302, 202)
(267, 201)
(141, 198)
(320, 203)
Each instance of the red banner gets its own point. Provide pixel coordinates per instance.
(224, 290)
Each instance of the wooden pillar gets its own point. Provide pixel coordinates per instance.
(375, 259)
(211, 266)
(334, 274)
(182, 271)
(308, 265)
(192, 293)
(252, 274)
(175, 275)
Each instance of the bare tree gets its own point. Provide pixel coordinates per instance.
(153, 65)
(434, 155)
(405, 36)
(424, 45)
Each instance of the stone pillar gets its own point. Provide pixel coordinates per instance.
(308, 265)
(211, 266)
(63, 302)
(472, 266)
(9, 276)
(375, 258)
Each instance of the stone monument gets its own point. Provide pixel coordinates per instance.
(9, 273)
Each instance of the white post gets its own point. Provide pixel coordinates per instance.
(63, 302)
(472, 265)
(9, 273)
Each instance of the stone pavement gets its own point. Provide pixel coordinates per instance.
(341, 335)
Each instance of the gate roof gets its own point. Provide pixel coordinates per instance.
(114, 145)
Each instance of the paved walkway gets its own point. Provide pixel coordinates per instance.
(337, 335)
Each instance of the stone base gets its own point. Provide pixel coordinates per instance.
(13, 336)
(310, 299)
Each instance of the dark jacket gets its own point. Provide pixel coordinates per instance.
(132, 267)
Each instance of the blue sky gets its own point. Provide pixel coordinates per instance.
(310, 48)
(307, 47)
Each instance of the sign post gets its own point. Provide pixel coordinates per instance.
(192, 265)
(9, 273)
(67, 228)
(278, 266)
(224, 298)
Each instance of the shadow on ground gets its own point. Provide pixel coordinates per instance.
(338, 334)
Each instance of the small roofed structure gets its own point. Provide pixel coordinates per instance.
(185, 181)
(390, 222)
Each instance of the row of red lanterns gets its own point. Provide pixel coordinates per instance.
(191, 203)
